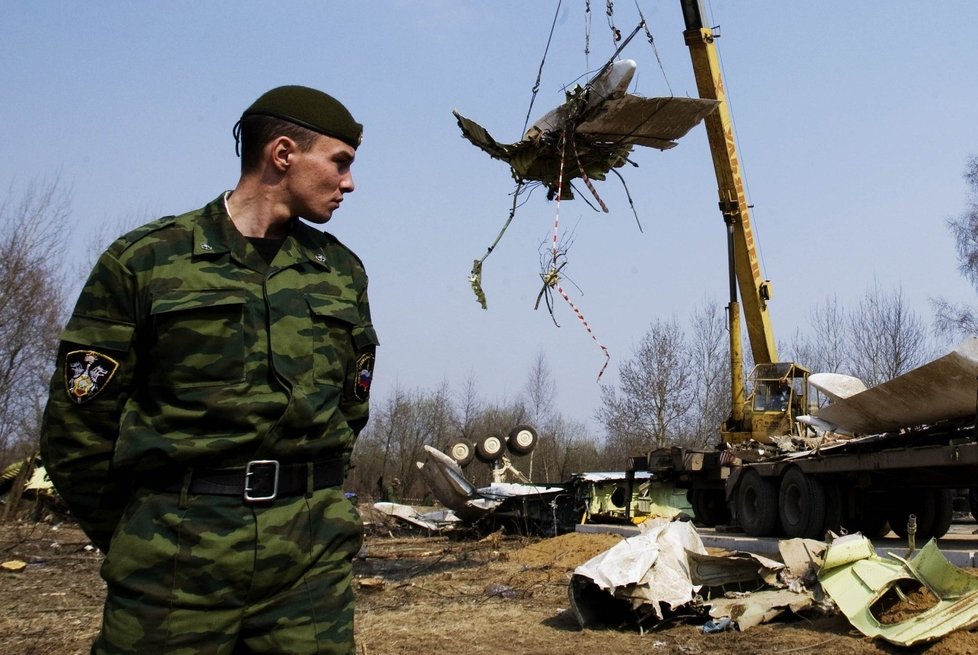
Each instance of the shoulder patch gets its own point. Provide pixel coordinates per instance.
(364, 375)
(87, 373)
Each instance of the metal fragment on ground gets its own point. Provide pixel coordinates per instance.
(857, 578)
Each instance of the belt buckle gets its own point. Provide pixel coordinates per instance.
(258, 474)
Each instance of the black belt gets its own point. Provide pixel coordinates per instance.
(259, 480)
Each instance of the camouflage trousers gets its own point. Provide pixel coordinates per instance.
(201, 574)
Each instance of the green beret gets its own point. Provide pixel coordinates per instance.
(311, 109)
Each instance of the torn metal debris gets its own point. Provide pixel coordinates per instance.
(591, 134)
(603, 122)
(858, 579)
(439, 520)
(547, 509)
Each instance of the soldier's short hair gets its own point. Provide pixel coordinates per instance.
(256, 131)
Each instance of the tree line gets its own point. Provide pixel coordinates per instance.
(672, 390)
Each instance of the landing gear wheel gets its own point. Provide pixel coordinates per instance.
(757, 505)
(462, 452)
(522, 440)
(801, 505)
(709, 506)
(490, 449)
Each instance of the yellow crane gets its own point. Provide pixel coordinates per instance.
(779, 389)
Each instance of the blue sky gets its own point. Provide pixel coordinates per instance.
(855, 121)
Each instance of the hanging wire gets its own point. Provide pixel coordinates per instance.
(610, 12)
(648, 34)
(587, 33)
(555, 253)
(475, 276)
(536, 85)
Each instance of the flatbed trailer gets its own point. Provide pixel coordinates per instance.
(868, 484)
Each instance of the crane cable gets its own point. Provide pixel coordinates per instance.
(475, 275)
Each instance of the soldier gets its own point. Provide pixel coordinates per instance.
(209, 387)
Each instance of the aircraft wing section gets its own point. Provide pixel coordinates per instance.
(478, 136)
(939, 390)
(524, 157)
(836, 385)
(653, 122)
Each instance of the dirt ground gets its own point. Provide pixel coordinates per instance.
(418, 595)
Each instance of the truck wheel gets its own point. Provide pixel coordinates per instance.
(834, 509)
(943, 510)
(489, 449)
(462, 452)
(872, 525)
(522, 440)
(801, 504)
(709, 506)
(757, 505)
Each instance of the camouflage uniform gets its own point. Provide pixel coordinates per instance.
(187, 351)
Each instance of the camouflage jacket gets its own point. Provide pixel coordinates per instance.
(186, 349)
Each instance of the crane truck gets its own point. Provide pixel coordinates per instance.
(899, 479)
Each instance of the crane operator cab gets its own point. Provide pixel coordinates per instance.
(779, 394)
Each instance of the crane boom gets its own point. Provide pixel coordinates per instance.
(755, 291)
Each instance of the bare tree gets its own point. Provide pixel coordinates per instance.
(540, 393)
(467, 408)
(430, 421)
(886, 337)
(710, 357)
(826, 348)
(656, 394)
(33, 239)
(540, 390)
(376, 454)
(955, 320)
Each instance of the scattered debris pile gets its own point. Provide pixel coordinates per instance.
(665, 572)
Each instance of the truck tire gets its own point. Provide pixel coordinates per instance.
(943, 511)
(490, 449)
(709, 506)
(462, 452)
(522, 440)
(801, 505)
(872, 525)
(757, 505)
(835, 504)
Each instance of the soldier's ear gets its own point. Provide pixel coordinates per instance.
(280, 151)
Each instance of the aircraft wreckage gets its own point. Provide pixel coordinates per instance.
(591, 134)
(594, 130)
(540, 509)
